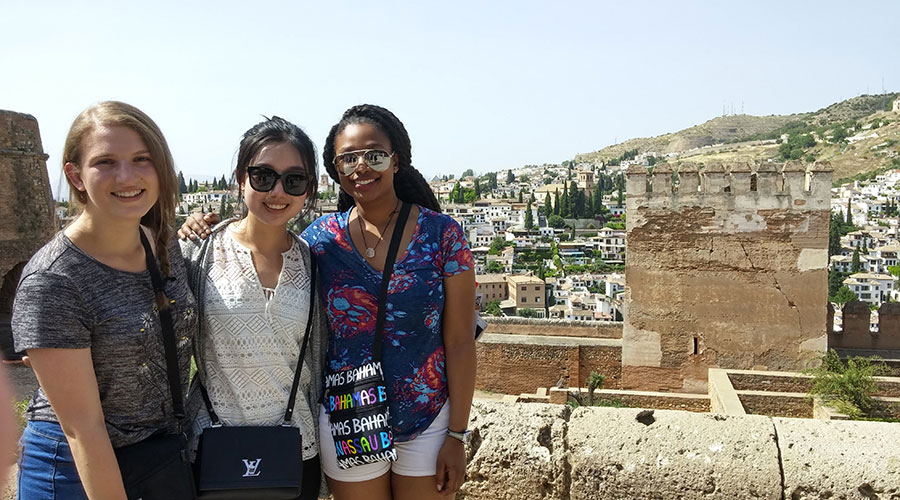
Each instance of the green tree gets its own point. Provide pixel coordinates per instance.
(564, 202)
(497, 245)
(849, 218)
(182, 187)
(556, 202)
(843, 295)
(477, 189)
(573, 194)
(854, 262)
(556, 222)
(548, 207)
(835, 281)
(494, 267)
(619, 197)
(527, 312)
(468, 173)
(510, 178)
(520, 196)
(492, 308)
(529, 218)
(834, 235)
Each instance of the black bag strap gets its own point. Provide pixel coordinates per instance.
(389, 260)
(168, 330)
(292, 399)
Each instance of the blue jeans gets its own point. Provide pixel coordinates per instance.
(46, 467)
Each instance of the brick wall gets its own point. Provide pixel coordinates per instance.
(516, 368)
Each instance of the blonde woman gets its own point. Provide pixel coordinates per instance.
(87, 315)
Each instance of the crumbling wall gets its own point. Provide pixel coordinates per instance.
(27, 218)
(726, 266)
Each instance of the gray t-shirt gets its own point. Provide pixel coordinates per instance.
(67, 299)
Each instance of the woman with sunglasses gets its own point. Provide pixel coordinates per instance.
(429, 348)
(428, 353)
(252, 282)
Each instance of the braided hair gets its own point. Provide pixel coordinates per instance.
(409, 184)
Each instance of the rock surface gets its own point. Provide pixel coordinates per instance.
(839, 459)
(622, 453)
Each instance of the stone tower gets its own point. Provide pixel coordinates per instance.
(586, 180)
(726, 267)
(27, 219)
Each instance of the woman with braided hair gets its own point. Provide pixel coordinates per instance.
(428, 355)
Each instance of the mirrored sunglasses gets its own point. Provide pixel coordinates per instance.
(263, 179)
(376, 159)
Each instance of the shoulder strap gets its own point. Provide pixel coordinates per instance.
(168, 331)
(309, 320)
(389, 260)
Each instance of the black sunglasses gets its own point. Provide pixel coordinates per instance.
(263, 179)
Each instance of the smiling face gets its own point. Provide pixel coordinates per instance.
(116, 175)
(275, 207)
(364, 184)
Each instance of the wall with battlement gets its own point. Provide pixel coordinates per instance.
(726, 267)
(857, 333)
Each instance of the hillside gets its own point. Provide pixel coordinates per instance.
(718, 130)
(858, 135)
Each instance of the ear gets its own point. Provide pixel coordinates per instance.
(73, 173)
(395, 161)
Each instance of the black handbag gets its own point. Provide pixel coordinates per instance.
(259, 462)
(356, 399)
(157, 468)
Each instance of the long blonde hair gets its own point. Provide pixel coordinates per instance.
(161, 217)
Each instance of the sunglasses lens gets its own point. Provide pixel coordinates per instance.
(262, 179)
(346, 163)
(377, 160)
(295, 184)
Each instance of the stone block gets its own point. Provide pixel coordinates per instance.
(839, 459)
(672, 454)
(517, 452)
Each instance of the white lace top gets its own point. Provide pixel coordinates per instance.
(253, 339)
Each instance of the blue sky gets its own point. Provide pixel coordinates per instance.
(481, 85)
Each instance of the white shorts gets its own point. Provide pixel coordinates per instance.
(415, 458)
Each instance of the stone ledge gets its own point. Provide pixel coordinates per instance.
(543, 451)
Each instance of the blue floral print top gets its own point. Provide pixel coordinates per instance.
(413, 351)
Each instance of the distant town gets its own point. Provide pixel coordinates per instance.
(549, 240)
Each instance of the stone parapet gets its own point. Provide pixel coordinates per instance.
(554, 327)
(734, 186)
(540, 451)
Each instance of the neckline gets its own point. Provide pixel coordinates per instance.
(71, 244)
(284, 261)
(400, 257)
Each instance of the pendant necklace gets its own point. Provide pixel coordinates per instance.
(370, 251)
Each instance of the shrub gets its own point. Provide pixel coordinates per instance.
(848, 385)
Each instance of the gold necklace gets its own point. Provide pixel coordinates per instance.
(370, 251)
